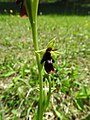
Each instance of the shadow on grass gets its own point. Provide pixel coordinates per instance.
(59, 8)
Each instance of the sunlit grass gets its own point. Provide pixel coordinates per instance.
(18, 73)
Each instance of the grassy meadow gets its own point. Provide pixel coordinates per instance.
(19, 84)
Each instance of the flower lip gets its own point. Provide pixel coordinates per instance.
(48, 67)
(47, 58)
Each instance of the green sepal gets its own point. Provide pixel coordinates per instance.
(51, 44)
(55, 53)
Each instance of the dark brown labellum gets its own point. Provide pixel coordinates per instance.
(47, 58)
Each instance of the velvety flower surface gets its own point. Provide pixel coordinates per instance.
(22, 7)
(47, 58)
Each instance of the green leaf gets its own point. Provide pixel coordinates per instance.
(60, 115)
(8, 73)
(79, 104)
(82, 94)
(28, 4)
(32, 8)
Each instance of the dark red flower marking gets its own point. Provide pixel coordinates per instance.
(22, 7)
(47, 58)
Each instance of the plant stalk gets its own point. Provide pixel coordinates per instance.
(35, 41)
(32, 8)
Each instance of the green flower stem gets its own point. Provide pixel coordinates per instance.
(32, 8)
(35, 41)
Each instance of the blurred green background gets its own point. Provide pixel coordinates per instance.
(79, 7)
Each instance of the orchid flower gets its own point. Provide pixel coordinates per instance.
(47, 58)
